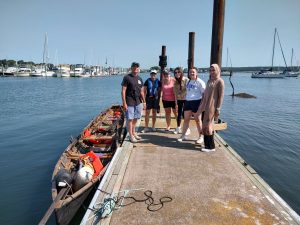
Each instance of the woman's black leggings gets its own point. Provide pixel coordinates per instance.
(180, 114)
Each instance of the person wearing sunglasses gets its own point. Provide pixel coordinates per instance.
(180, 95)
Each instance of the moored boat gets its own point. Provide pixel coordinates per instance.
(225, 73)
(291, 73)
(63, 70)
(10, 71)
(23, 72)
(84, 162)
(270, 73)
(267, 74)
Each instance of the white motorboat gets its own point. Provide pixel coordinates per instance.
(79, 71)
(76, 72)
(10, 71)
(48, 73)
(23, 72)
(63, 71)
(37, 72)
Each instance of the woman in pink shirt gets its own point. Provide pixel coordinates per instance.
(168, 97)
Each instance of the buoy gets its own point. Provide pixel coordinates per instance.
(83, 176)
(62, 178)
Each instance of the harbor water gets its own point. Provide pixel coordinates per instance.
(39, 116)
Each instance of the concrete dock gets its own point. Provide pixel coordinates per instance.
(205, 188)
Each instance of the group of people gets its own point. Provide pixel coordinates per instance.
(186, 97)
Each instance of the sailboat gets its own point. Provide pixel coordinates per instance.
(269, 73)
(290, 72)
(227, 72)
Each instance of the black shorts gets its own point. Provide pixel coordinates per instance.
(151, 103)
(169, 104)
(192, 105)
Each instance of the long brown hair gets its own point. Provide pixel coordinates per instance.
(179, 80)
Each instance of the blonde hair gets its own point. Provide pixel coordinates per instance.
(217, 69)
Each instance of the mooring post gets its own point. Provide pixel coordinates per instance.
(191, 51)
(217, 32)
(162, 60)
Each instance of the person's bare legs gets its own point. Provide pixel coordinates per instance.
(186, 121)
(198, 123)
(168, 117)
(153, 117)
(132, 127)
(147, 118)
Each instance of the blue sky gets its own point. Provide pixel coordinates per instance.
(134, 30)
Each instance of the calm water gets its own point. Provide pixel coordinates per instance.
(38, 116)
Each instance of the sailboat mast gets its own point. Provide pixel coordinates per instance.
(45, 53)
(227, 59)
(282, 51)
(273, 48)
(292, 58)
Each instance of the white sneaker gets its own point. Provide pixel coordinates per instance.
(208, 150)
(137, 137)
(153, 129)
(178, 130)
(132, 139)
(188, 131)
(182, 138)
(200, 140)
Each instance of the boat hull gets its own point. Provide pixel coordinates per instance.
(225, 73)
(65, 213)
(267, 75)
(8, 74)
(106, 125)
(291, 74)
(22, 74)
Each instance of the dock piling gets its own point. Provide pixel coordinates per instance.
(217, 32)
(162, 60)
(191, 51)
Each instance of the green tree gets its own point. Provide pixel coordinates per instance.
(155, 68)
(3, 62)
(31, 63)
(20, 62)
(11, 62)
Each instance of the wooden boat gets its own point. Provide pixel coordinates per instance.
(100, 139)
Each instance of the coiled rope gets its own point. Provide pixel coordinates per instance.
(110, 204)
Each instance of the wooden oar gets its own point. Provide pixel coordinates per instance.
(62, 193)
(49, 212)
